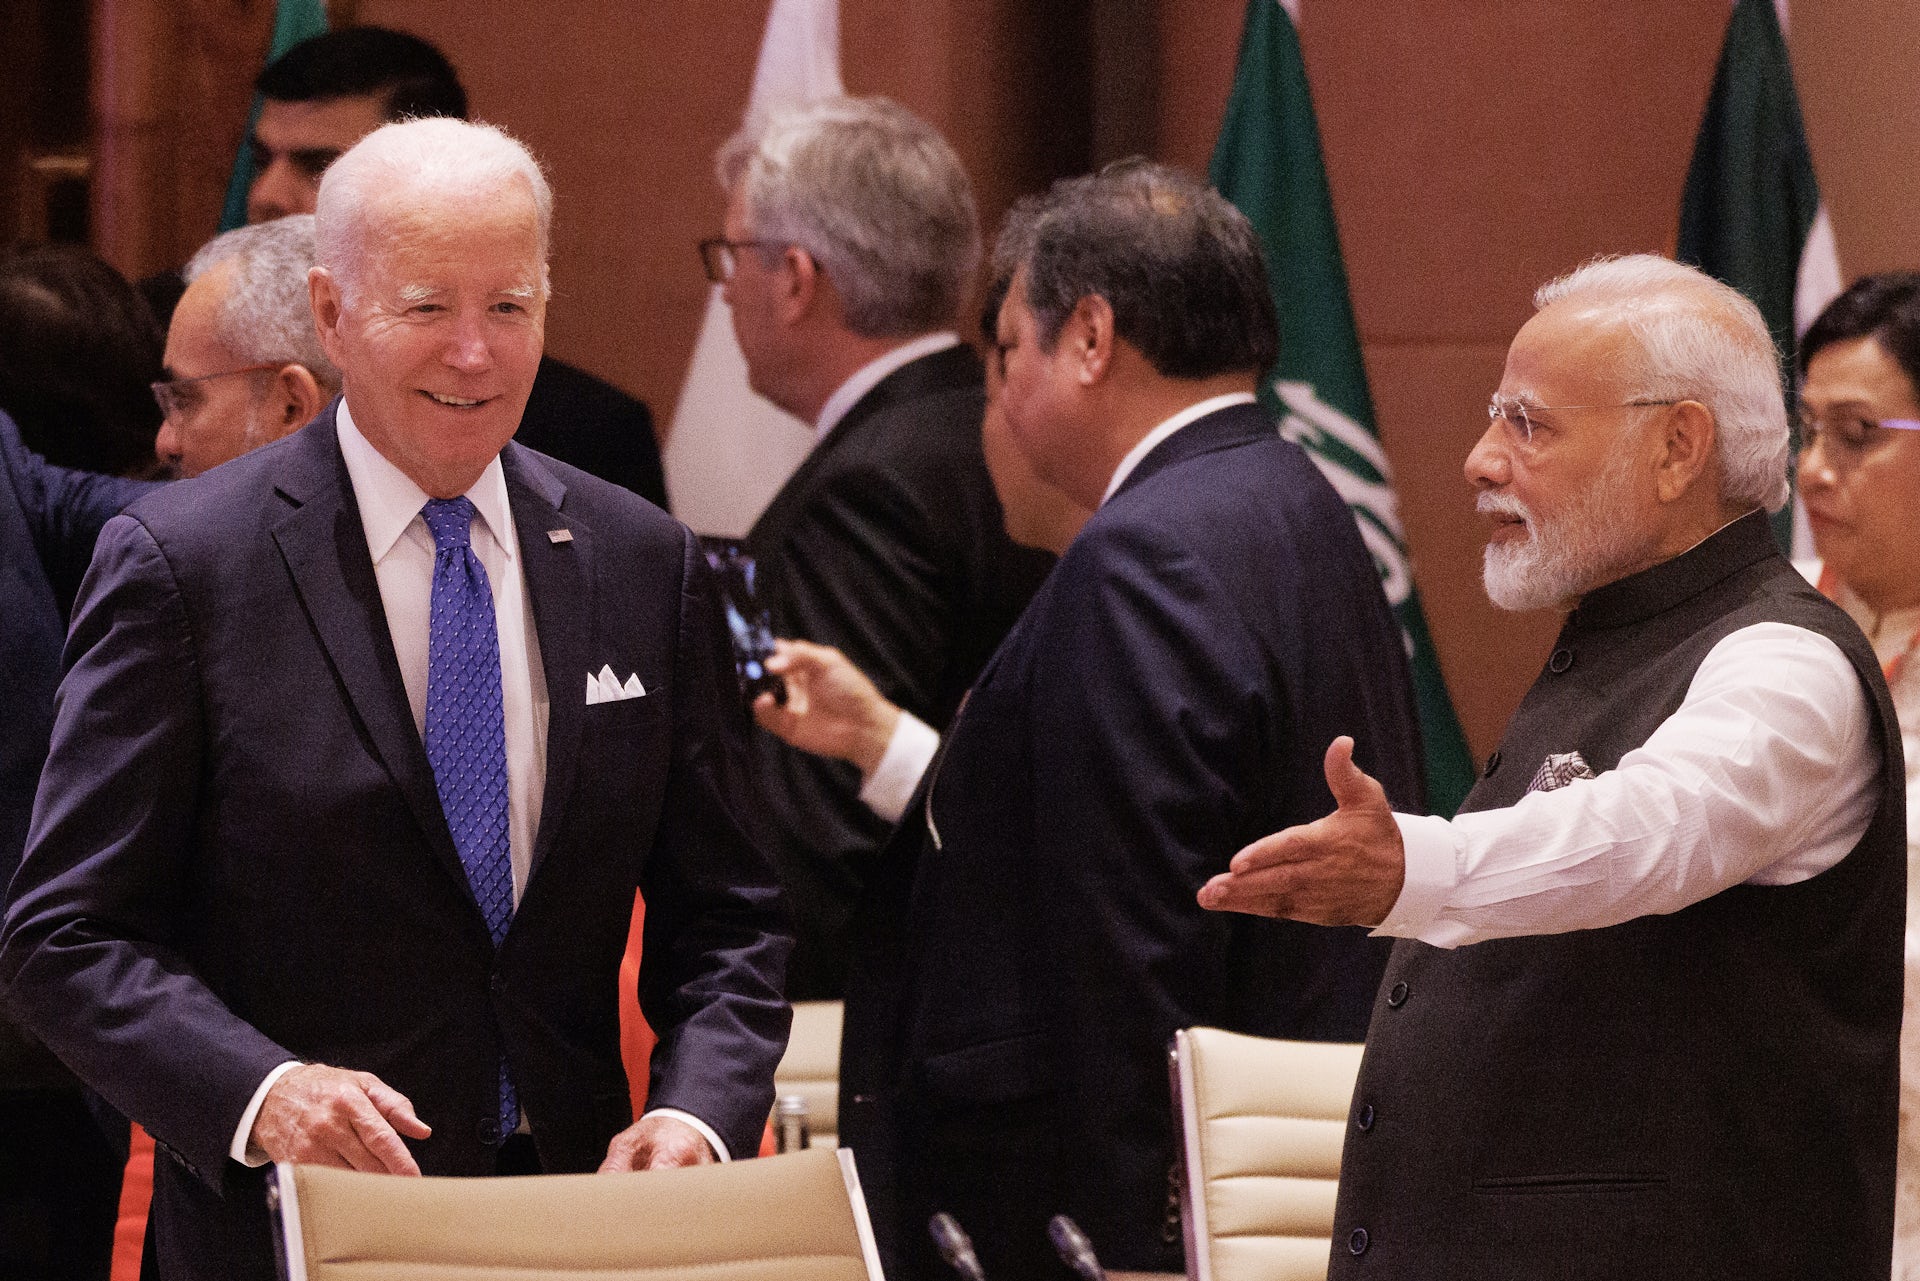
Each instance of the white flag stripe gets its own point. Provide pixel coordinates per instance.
(728, 451)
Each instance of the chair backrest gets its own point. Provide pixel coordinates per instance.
(1263, 1123)
(811, 1067)
(798, 1217)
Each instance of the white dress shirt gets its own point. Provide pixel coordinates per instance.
(402, 550)
(890, 787)
(870, 375)
(1767, 774)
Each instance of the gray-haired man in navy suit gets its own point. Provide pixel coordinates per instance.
(368, 737)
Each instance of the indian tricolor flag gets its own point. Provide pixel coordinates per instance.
(1752, 214)
(1267, 162)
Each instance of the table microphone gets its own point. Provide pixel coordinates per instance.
(955, 1246)
(1074, 1249)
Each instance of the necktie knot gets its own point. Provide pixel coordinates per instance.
(450, 521)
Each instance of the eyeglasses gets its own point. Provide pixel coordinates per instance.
(1846, 436)
(178, 396)
(1515, 413)
(719, 256)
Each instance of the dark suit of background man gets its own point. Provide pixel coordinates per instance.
(1170, 689)
(849, 243)
(349, 790)
(59, 1173)
(1644, 1016)
(325, 94)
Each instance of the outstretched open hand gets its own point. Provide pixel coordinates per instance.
(1344, 869)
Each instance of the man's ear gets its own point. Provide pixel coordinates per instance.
(295, 396)
(1687, 440)
(324, 297)
(801, 284)
(1089, 330)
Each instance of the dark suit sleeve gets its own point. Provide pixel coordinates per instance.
(861, 569)
(717, 936)
(88, 952)
(65, 510)
(1156, 739)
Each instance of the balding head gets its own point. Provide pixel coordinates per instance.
(407, 170)
(431, 292)
(1693, 337)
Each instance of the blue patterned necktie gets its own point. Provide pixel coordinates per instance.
(466, 731)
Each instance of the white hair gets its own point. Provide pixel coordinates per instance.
(439, 156)
(265, 318)
(878, 199)
(1699, 340)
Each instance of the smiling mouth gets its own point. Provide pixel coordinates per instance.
(454, 402)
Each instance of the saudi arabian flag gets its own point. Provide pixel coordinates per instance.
(293, 21)
(1752, 214)
(1267, 162)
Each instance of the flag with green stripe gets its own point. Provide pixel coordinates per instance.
(1751, 214)
(1267, 161)
(293, 21)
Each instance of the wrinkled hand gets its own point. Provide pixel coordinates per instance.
(1344, 869)
(656, 1143)
(832, 709)
(320, 1115)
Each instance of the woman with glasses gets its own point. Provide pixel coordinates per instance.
(1860, 480)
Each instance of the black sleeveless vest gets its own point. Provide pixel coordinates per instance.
(1710, 1093)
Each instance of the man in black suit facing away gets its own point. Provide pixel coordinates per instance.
(325, 94)
(1033, 942)
(849, 242)
(332, 860)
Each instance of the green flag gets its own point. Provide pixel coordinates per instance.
(293, 21)
(1751, 214)
(1267, 162)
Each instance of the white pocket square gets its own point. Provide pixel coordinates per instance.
(606, 687)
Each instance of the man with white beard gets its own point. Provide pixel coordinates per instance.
(1644, 1011)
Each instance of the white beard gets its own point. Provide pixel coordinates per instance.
(1568, 554)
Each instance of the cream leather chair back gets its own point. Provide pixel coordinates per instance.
(811, 1067)
(799, 1217)
(1263, 1123)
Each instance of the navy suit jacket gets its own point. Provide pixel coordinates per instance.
(1166, 698)
(49, 517)
(238, 854)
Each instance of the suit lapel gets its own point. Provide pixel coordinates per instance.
(560, 587)
(324, 546)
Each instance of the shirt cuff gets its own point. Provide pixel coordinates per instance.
(1432, 872)
(706, 1131)
(888, 790)
(242, 1149)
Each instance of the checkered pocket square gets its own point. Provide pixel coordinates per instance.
(1559, 769)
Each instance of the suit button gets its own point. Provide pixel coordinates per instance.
(1357, 1241)
(1562, 659)
(499, 985)
(489, 1131)
(1365, 1119)
(1493, 763)
(1397, 996)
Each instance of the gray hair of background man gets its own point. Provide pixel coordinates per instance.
(437, 156)
(1699, 340)
(1179, 265)
(875, 196)
(265, 318)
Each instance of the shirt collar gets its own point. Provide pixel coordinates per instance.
(390, 501)
(1191, 414)
(869, 376)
